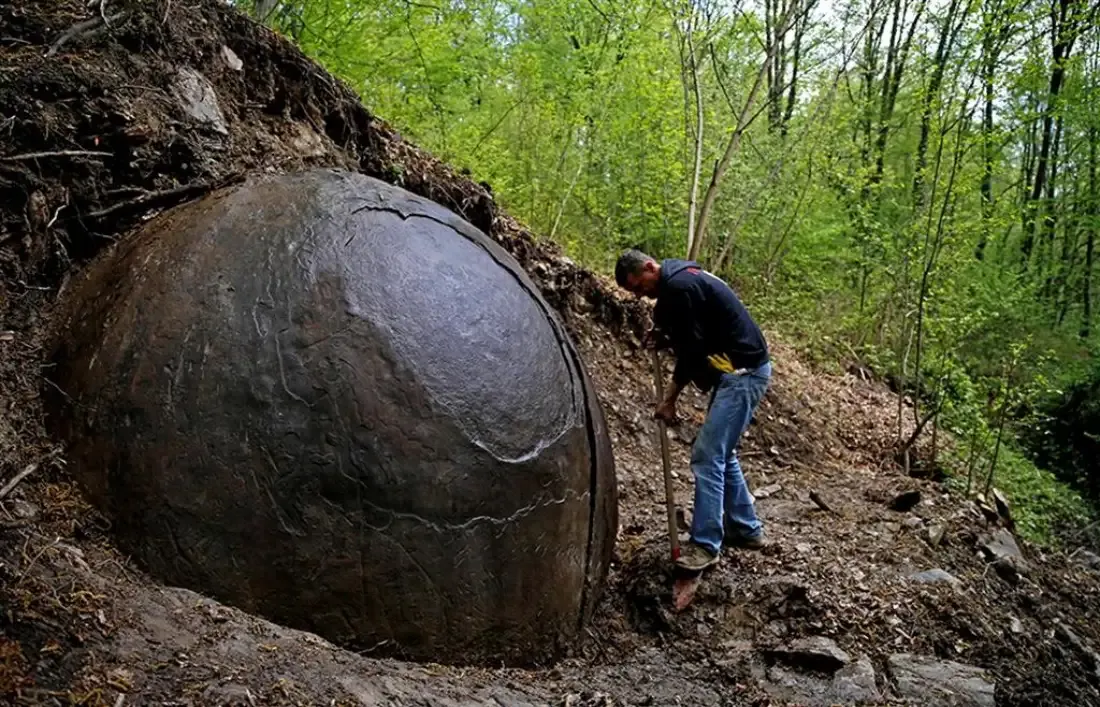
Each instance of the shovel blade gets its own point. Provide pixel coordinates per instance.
(683, 590)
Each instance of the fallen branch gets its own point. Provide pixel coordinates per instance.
(816, 498)
(15, 482)
(55, 153)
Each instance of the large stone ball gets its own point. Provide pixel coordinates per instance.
(326, 400)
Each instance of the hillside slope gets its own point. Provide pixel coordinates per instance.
(81, 624)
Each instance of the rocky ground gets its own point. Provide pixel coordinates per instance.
(884, 589)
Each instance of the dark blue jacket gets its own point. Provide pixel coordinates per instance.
(700, 316)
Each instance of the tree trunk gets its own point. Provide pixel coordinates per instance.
(792, 91)
(1063, 19)
(1094, 214)
(943, 47)
(896, 56)
(700, 123)
(732, 146)
(263, 10)
(1050, 211)
(989, 62)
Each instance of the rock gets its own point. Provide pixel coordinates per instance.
(1088, 559)
(1003, 509)
(1091, 658)
(988, 511)
(231, 59)
(804, 548)
(936, 576)
(1008, 568)
(199, 100)
(1015, 625)
(790, 686)
(23, 510)
(813, 653)
(904, 502)
(855, 682)
(935, 534)
(287, 396)
(913, 522)
(933, 682)
(1001, 548)
(229, 695)
(769, 490)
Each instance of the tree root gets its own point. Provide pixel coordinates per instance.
(85, 29)
(153, 199)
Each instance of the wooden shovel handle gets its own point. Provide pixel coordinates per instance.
(666, 459)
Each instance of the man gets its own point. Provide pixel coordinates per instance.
(720, 348)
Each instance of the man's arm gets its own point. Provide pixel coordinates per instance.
(681, 324)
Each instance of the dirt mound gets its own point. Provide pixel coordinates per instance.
(120, 121)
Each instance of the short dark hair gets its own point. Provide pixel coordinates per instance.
(630, 263)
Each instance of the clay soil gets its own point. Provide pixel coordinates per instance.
(95, 138)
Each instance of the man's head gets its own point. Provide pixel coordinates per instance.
(637, 272)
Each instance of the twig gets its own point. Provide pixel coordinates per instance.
(55, 153)
(816, 498)
(149, 198)
(18, 477)
(102, 9)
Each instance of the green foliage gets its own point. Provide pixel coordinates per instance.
(874, 211)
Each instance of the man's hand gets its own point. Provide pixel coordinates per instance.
(654, 339)
(666, 411)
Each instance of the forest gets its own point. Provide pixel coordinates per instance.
(907, 186)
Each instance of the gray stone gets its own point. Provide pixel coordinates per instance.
(1015, 625)
(791, 686)
(936, 576)
(231, 59)
(229, 695)
(769, 490)
(813, 653)
(852, 684)
(940, 682)
(1090, 656)
(199, 100)
(1088, 559)
(935, 535)
(1002, 545)
(913, 522)
(855, 682)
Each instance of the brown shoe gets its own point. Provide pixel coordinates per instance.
(696, 558)
(745, 542)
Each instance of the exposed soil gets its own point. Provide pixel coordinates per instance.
(82, 624)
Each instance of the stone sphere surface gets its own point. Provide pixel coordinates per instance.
(323, 399)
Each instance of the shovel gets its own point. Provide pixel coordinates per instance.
(685, 582)
(666, 459)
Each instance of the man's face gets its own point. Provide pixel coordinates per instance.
(644, 282)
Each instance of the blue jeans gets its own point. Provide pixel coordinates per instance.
(720, 488)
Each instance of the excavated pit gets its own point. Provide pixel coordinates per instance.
(323, 399)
